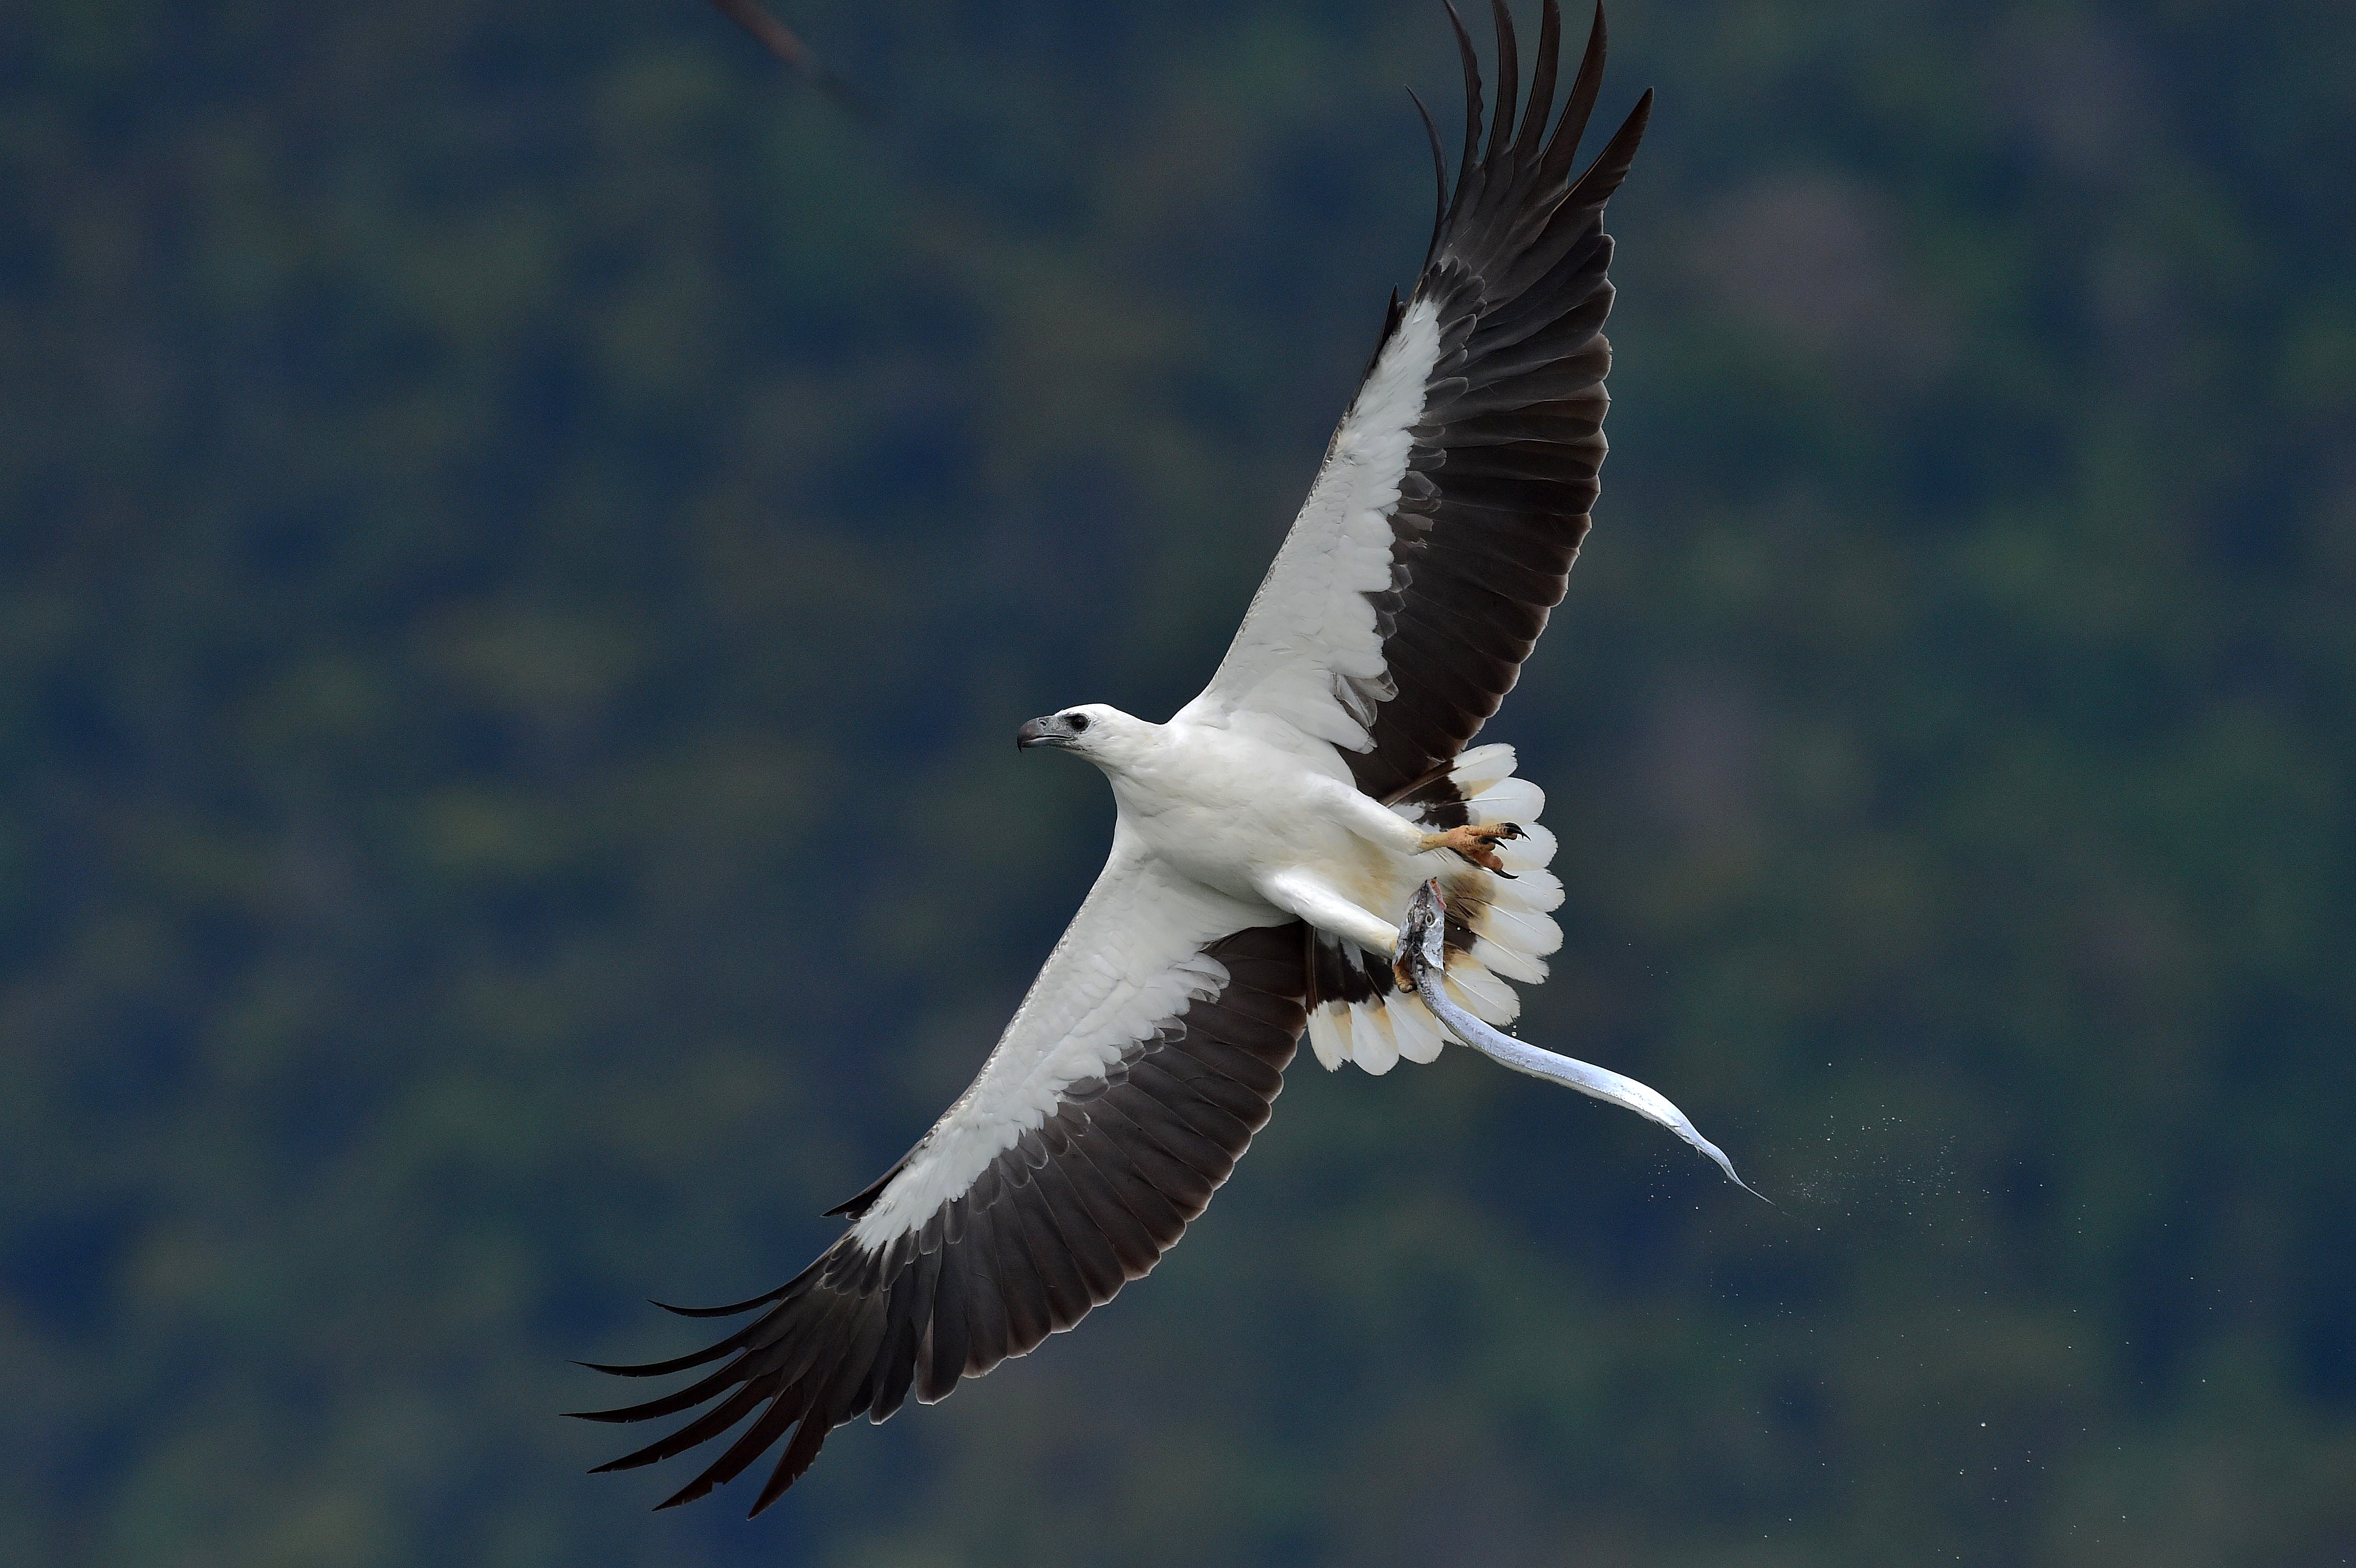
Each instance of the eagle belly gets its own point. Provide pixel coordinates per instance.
(1228, 809)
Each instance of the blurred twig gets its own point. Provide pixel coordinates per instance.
(782, 42)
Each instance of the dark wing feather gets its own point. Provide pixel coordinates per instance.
(1055, 1227)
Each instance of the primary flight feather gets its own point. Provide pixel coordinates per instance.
(1272, 839)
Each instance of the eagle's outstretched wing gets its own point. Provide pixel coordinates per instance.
(1442, 526)
(1135, 1073)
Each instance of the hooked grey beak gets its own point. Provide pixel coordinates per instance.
(1038, 732)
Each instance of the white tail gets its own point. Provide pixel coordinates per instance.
(1510, 919)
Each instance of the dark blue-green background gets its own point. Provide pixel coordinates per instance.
(525, 535)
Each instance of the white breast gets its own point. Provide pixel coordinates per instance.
(1224, 808)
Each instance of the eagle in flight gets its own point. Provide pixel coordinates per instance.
(1307, 846)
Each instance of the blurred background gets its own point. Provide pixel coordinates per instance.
(525, 534)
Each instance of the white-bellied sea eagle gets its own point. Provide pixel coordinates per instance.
(1272, 841)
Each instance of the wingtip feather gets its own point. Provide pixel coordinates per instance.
(732, 1310)
(1509, 84)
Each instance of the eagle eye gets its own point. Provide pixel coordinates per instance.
(1079, 722)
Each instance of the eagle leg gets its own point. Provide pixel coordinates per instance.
(1297, 889)
(1477, 843)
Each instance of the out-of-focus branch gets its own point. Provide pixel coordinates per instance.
(782, 42)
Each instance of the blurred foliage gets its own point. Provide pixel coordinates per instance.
(524, 535)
